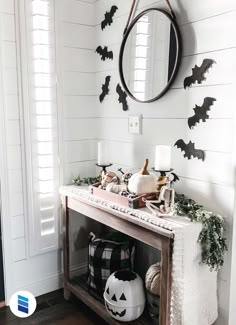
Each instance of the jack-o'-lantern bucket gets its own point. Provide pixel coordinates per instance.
(124, 296)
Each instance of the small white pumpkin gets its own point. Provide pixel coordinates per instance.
(142, 182)
(115, 188)
(153, 279)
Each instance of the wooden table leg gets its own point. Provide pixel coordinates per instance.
(165, 282)
(66, 250)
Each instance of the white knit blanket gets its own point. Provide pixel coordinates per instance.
(194, 286)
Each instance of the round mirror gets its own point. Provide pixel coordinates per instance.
(150, 55)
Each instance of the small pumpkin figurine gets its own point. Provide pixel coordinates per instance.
(142, 182)
(152, 284)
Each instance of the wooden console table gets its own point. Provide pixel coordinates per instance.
(154, 236)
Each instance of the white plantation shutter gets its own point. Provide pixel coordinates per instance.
(41, 124)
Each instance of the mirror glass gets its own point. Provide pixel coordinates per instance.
(150, 54)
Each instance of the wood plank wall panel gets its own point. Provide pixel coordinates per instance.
(206, 29)
(12, 127)
(77, 63)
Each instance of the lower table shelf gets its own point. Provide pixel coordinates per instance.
(78, 286)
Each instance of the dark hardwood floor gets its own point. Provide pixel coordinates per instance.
(52, 309)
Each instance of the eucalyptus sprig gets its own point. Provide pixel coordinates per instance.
(211, 237)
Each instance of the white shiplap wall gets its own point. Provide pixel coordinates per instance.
(76, 68)
(206, 30)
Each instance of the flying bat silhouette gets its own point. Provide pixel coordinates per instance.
(122, 97)
(201, 112)
(105, 89)
(198, 73)
(109, 17)
(105, 54)
(189, 150)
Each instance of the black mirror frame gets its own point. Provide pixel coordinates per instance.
(177, 63)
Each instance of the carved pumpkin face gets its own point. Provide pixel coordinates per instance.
(124, 296)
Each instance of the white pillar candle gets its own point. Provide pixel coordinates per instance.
(103, 153)
(163, 158)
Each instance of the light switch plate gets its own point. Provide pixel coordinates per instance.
(135, 124)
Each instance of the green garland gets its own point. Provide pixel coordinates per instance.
(211, 237)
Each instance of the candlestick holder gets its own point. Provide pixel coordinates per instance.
(104, 167)
(167, 173)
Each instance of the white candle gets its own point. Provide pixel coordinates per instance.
(103, 154)
(163, 158)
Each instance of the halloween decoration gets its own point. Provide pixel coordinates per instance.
(124, 296)
(111, 252)
(104, 53)
(107, 178)
(105, 88)
(189, 150)
(152, 279)
(125, 176)
(164, 206)
(142, 182)
(116, 188)
(109, 17)
(152, 284)
(122, 97)
(201, 112)
(198, 73)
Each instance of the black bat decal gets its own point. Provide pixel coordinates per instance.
(105, 89)
(105, 54)
(109, 17)
(122, 97)
(189, 150)
(201, 112)
(198, 73)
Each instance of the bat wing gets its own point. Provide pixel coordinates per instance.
(206, 65)
(200, 154)
(99, 50)
(124, 102)
(101, 97)
(188, 81)
(110, 55)
(113, 10)
(103, 24)
(192, 121)
(208, 102)
(119, 92)
(184, 147)
(180, 144)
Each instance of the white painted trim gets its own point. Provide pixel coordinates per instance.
(232, 279)
(53, 282)
(4, 196)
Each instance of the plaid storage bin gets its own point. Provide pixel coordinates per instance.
(105, 257)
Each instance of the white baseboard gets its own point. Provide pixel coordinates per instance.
(53, 282)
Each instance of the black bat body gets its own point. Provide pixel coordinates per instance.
(105, 89)
(122, 97)
(198, 73)
(189, 150)
(105, 54)
(109, 17)
(201, 112)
